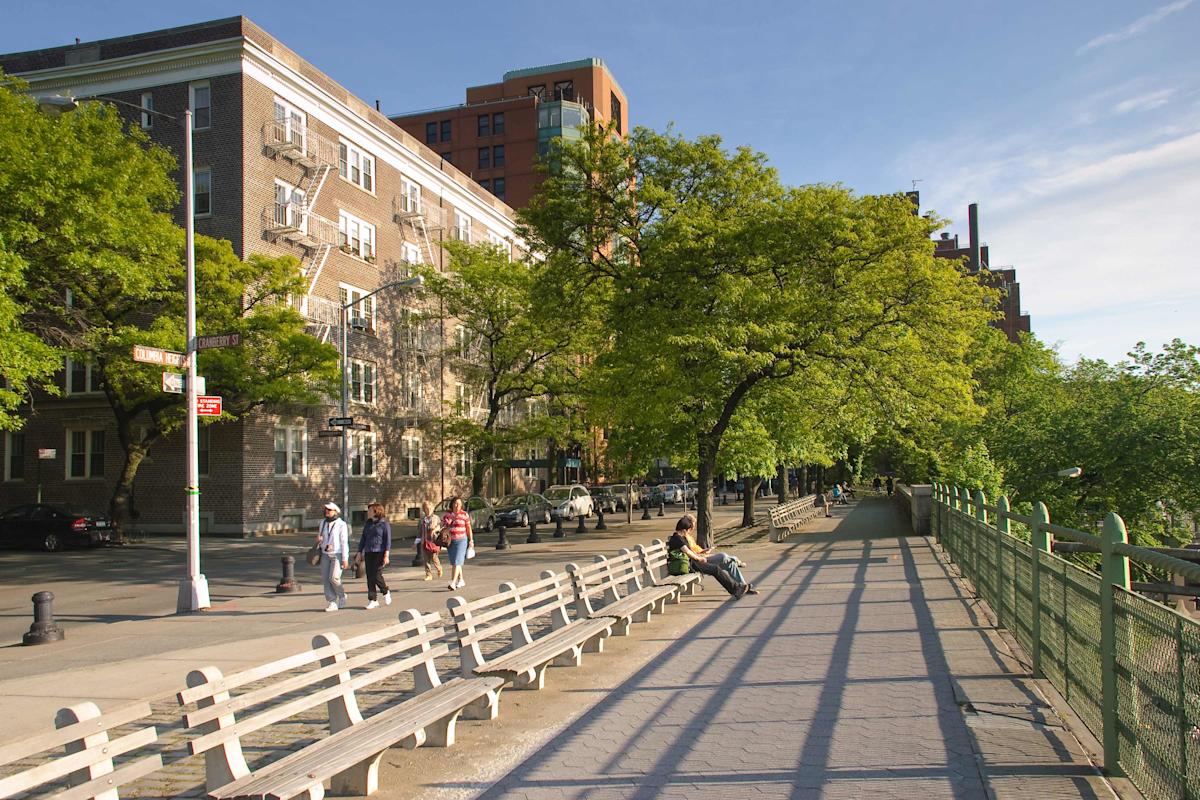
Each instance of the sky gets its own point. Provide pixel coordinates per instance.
(1075, 124)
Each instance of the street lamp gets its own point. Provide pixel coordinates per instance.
(414, 283)
(193, 589)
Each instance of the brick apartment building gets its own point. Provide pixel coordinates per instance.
(286, 162)
(498, 134)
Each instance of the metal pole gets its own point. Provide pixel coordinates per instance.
(193, 591)
(345, 411)
(1039, 543)
(1114, 574)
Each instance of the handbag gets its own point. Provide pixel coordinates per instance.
(470, 552)
(678, 563)
(313, 556)
(431, 546)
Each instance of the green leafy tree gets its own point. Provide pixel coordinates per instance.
(717, 280)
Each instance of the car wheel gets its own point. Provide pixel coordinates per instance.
(491, 523)
(548, 520)
(524, 520)
(51, 542)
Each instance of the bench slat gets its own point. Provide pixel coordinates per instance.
(545, 649)
(65, 765)
(32, 745)
(628, 606)
(118, 777)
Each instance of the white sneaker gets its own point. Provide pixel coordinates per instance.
(331, 607)
(387, 599)
(461, 583)
(372, 604)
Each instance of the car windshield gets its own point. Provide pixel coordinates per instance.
(511, 500)
(558, 493)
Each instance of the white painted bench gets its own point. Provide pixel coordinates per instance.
(87, 764)
(603, 581)
(654, 570)
(349, 756)
(786, 518)
(511, 611)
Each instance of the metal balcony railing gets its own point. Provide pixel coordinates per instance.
(294, 223)
(293, 141)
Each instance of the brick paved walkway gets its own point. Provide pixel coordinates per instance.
(856, 673)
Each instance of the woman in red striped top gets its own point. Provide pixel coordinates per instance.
(458, 522)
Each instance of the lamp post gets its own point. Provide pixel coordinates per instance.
(414, 283)
(193, 589)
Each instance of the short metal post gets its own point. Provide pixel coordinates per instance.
(582, 528)
(287, 582)
(533, 534)
(600, 526)
(502, 540)
(1114, 573)
(724, 499)
(44, 629)
(662, 508)
(1039, 543)
(558, 528)
(646, 509)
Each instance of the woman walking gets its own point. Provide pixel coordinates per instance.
(683, 557)
(335, 555)
(429, 529)
(462, 538)
(375, 549)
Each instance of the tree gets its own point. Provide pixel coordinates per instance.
(514, 344)
(717, 281)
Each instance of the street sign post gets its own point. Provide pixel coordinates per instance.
(341, 422)
(176, 383)
(208, 405)
(218, 340)
(155, 355)
(329, 434)
(360, 426)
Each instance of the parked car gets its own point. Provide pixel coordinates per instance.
(516, 510)
(483, 515)
(653, 496)
(625, 498)
(570, 500)
(53, 527)
(604, 498)
(672, 492)
(689, 490)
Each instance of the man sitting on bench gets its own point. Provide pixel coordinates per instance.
(683, 557)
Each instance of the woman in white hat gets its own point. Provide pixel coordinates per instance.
(334, 539)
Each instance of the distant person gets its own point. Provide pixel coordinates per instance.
(375, 549)
(683, 558)
(891, 486)
(333, 539)
(821, 501)
(848, 491)
(838, 497)
(430, 540)
(462, 539)
(877, 485)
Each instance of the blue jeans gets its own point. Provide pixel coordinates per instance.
(727, 563)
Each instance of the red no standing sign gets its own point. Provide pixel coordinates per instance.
(208, 405)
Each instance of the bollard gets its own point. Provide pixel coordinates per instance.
(533, 534)
(44, 629)
(724, 499)
(502, 541)
(662, 508)
(558, 528)
(582, 525)
(600, 526)
(287, 583)
(646, 510)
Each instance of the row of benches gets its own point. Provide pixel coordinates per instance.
(508, 638)
(784, 519)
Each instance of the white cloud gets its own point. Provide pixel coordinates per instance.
(1182, 150)
(1144, 102)
(1137, 27)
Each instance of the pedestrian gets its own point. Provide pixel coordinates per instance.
(837, 493)
(429, 542)
(335, 555)
(375, 548)
(877, 484)
(462, 539)
(821, 501)
(890, 486)
(683, 557)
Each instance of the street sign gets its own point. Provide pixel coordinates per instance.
(571, 463)
(329, 434)
(154, 355)
(341, 422)
(359, 426)
(218, 340)
(176, 383)
(208, 405)
(47, 453)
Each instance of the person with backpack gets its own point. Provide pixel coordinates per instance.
(682, 558)
(431, 538)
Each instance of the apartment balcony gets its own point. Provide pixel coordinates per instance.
(294, 223)
(290, 140)
(406, 208)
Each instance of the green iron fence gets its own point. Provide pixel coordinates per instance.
(1128, 666)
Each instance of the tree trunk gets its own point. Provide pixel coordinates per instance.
(120, 505)
(781, 491)
(478, 471)
(751, 490)
(705, 536)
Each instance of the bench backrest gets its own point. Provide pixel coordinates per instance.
(654, 561)
(277, 690)
(604, 578)
(88, 761)
(511, 608)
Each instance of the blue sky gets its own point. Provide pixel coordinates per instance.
(1074, 124)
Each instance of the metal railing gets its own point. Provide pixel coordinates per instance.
(1126, 664)
(292, 140)
(295, 223)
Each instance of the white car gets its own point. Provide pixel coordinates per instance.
(672, 492)
(569, 501)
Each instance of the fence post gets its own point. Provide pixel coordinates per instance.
(1002, 530)
(1039, 542)
(1114, 572)
(982, 582)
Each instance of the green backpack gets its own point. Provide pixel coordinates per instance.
(678, 563)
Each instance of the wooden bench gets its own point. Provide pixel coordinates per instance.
(654, 570)
(785, 518)
(513, 609)
(87, 765)
(604, 579)
(349, 756)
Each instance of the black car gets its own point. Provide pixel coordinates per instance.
(515, 510)
(52, 527)
(604, 498)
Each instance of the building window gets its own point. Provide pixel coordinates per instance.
(414, 387)
(615, 105)
(362, 313)
(362, 453)
(14, 456)
(355, 236)
(484, 123)
(290, 451)
(410, 253)
(498, 156)
(289, 206)
(485, 183)
(445, 130)
(203, 440)
(462, 461)
(538, 91)
(202, 191)
(85, 454)
(410, 196)
(148, 104)
(485, 157)
(498, 123)
(289, 124)
(498, 187)
(83, 377)
(430, 133)
(362, 381)
(462, 341)
(462, 227)
(200, 101)
(531, 455)
(356, 166)
(550, 117)
(410, 455)
(564, 90)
